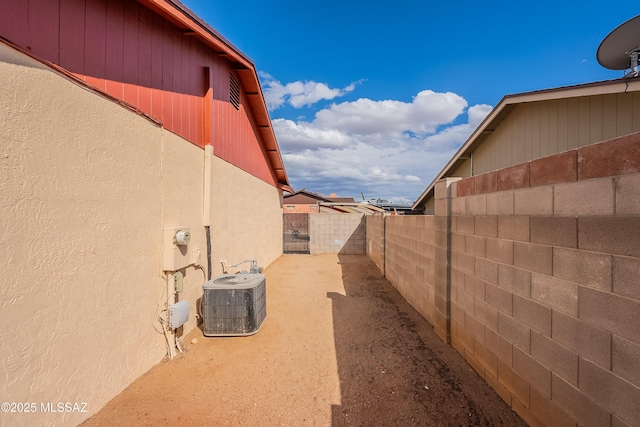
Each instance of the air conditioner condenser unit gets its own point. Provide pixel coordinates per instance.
(234, 305)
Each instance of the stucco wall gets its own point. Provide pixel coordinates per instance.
(246, 218)
(337, 233)
(539, 282)
(85, 189)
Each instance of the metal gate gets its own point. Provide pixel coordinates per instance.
(296, 233)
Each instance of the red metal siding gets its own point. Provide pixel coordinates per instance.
(145, 59)
(14, 17)
(241, 143)
(131, 54)
(44, 18)
(115, 49)
(135, 55)
(94, 44)
(72, 36)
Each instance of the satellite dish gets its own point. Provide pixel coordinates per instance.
(621, 48)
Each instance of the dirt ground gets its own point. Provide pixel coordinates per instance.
(339, 347)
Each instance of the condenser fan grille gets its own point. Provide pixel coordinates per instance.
(233, 310)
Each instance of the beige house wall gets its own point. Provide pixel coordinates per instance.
(462, 171)
(86, 187)
(538, 129)
(246, 218)
(533, 130)
(540, 281)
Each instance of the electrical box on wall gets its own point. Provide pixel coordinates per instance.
(175, 248)
(178, 314)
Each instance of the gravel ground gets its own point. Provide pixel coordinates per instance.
(339, 347)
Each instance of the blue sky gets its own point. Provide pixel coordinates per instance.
(373, 98)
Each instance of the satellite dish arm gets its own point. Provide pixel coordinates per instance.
(633, 60)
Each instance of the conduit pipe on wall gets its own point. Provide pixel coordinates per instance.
(208, 169)
(169, 334)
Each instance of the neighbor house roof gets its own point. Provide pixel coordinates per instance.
(342, 199)
(345, 207)
(507, 104)
(331, 204)
(178, 14)
(305, 198)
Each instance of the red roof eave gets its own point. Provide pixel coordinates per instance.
(181, 16)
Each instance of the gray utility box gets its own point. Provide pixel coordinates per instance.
(234, 305)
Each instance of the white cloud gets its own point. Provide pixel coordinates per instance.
(388, 149)
(478, 113)
(387, 173)
(296, 136)
(452, 136)
(300, 93)
(423, 115)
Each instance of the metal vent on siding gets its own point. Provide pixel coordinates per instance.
(234, 92)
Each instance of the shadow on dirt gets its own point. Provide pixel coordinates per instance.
(393, 369)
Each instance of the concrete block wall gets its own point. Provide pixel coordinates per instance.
(409, 257)
(541, 267)
(544, 283)
(375, 229)
(337, 233)
(442, 254)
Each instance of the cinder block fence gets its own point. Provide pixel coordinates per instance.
(533, 274)
(337, 233)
